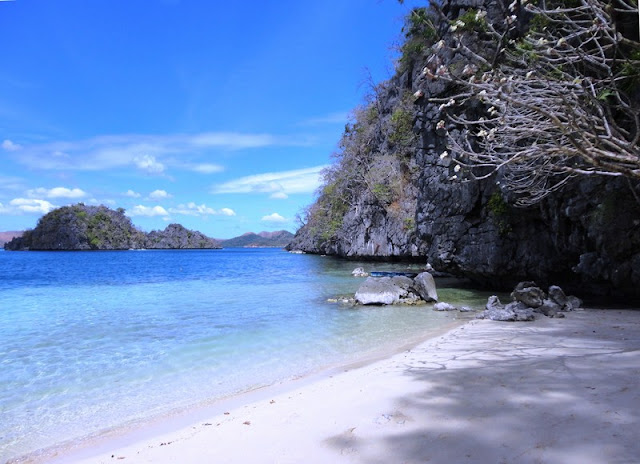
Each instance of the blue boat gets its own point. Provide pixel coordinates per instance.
(392, 274)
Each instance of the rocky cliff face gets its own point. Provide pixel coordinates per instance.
(392, 194)
(82, 227)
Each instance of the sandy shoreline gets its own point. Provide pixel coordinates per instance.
(552, 391)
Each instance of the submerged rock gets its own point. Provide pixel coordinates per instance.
(444, 307)
(359, 272)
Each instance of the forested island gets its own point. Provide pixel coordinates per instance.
(82, 227)
(504, 148)
(277, 239)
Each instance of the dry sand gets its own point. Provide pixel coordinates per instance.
(550, 391)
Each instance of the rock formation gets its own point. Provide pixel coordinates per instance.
(394, 192)
(529, 300)
(397, 290)
(81, 227)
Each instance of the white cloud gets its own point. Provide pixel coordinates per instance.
(285, 182)
(132, 194)
(149, 164)
(207, 168)
(10, 146)
(149, 211)
(274, 218)
(159, 195)
(192, 209)
(30, 205)
(56, 192)
(279, 196)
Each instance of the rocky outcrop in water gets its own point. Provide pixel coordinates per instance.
(397, 290)
(81, 227)
(175, 236)
(394, 194)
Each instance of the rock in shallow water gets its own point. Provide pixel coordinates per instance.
(425, 285)
(385, 291)
(359, 272)
(444, 307)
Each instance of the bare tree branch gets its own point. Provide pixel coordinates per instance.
(562, 101)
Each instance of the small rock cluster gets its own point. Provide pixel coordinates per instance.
(529, 300)
(442, 306)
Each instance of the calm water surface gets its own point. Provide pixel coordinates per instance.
(95, 340)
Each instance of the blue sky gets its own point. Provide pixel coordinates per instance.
(215, 115)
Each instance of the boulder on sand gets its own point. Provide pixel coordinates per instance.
(529, 293)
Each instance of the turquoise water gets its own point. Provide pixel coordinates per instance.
(95, 340)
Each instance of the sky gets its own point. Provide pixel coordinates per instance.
(216, 115)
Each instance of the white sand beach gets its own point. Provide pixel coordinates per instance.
(549, 391)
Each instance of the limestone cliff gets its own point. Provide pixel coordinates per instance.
(393, 194)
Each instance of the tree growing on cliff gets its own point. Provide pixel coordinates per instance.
(558, 101)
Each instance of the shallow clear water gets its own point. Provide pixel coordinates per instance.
(95, 340)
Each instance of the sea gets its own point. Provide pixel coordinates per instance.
(95, 341)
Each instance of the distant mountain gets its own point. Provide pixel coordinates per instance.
(81, 227)
(278, 239)
(9, 235)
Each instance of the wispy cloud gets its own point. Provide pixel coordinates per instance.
(8, 145)
(159, 195)
(205, 168)
(192, 209)
(132, 194)
(274, 218)
(56, 192)
(277, 184)
(30, 205)
(149, 211)
(11, 183)
(149, 164)
(150, 153)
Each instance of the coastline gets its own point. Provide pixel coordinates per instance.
(554, 390)
(142, 429)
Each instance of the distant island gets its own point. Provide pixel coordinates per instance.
(278, 239)
(82, 227)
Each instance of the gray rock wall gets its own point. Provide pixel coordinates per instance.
(585, 237)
